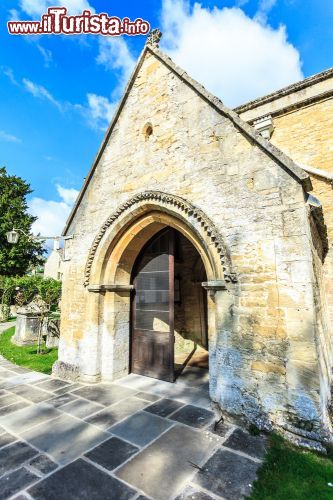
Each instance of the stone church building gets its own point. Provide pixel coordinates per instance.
(215, 226)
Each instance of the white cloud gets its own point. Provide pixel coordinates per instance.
(97, 111)
(69, 195)
(114, 54)
(34, 7)
(9, 74)
(14, 15)
(100, 111)
(51, 214)
(40, 92)
(46, 54)
(38, 7)
(264, 8)
(235, 56)
(4, 136)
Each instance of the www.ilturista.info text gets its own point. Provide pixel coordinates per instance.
(57, 22)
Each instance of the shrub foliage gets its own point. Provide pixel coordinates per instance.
(22, 289)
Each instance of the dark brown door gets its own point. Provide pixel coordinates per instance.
(152, 343)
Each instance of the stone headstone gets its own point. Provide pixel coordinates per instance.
(28, 322)
(51, 331)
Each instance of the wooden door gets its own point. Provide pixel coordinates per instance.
(152, 339)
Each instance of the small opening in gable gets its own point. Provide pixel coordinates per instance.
(148, 131)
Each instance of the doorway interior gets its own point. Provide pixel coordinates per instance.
(169, 338)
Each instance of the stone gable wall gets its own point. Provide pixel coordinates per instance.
(267, 328)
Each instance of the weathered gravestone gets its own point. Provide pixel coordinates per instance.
(28, 322)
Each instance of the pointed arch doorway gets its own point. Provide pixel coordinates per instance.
(168, 306)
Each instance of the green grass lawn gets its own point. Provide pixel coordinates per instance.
(290, 473)
(27, 356)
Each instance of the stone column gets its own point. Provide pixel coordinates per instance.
(115, 337)
(109, 336)
(89, 351)
(220, 301)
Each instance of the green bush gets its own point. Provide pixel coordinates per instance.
(21, 290)
(4, 312)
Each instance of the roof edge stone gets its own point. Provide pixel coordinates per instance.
(294, 87)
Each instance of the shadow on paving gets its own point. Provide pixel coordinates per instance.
(137, 438)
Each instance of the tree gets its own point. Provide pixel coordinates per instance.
(16, 260)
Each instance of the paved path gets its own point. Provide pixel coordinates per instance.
(6, 325)
(138, 438)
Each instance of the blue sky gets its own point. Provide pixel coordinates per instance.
(58, 93)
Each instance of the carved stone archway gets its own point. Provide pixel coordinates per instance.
(176, 206)
(109, 267)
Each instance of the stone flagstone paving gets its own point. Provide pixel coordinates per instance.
(138, 438)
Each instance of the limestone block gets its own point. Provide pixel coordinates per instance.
(266, 367)
(305, 351)
(294, 221)
(301, 272)
(264, 179)
(302, 374)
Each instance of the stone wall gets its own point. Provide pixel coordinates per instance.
(303, 129)
(190, 320)
(263, 328)
(53, 266)
(306, 135)
(190, 314)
